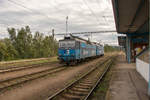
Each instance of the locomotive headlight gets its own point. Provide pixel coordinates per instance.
(68, 52)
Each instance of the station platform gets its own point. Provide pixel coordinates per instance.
(126, 82)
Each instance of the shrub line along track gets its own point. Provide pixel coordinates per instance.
(6, 84)
(23, 67)
(83, 86)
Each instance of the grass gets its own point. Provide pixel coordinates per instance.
(27, 62)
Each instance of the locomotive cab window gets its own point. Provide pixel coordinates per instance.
(66, 44)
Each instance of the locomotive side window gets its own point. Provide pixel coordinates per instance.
(66, 44)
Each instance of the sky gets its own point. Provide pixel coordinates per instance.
(45, 15)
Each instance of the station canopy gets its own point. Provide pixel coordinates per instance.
(131, 16)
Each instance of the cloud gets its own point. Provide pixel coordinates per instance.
(44, 15)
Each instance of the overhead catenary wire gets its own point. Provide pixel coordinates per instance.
(113, 35)
(92, 12)
(29, 9)
(13, 19)
(20, 4)
(98, 2)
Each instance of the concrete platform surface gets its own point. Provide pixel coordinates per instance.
(126, 82)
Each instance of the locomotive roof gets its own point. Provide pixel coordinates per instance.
(79, 39)
(75, 38)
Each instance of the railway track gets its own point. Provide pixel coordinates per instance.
(9, 83)
(6, 84)
(12, 69)
(84, 86)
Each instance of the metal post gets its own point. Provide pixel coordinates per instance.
(149, 62)
(66, 25)
(91, 36)
(128, 46)
(53, 34)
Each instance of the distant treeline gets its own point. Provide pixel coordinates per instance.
(108, 48)
(22, 44)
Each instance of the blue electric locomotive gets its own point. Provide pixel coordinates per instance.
(75, 49)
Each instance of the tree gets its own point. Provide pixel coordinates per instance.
(3, 52)
(22, 44)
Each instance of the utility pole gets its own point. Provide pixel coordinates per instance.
(66, 25)
(53, 34)
(149, 60)
(91, 36)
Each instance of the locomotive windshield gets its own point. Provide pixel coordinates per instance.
(66, 44)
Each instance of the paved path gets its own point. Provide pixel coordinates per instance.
(126, 83)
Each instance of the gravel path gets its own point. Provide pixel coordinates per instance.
(40, 89)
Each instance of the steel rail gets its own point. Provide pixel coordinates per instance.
(98, 81)
(71, 84)
(23, 67)
(49, 69)
(29, 77)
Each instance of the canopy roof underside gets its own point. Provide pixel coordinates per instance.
(131, 16)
